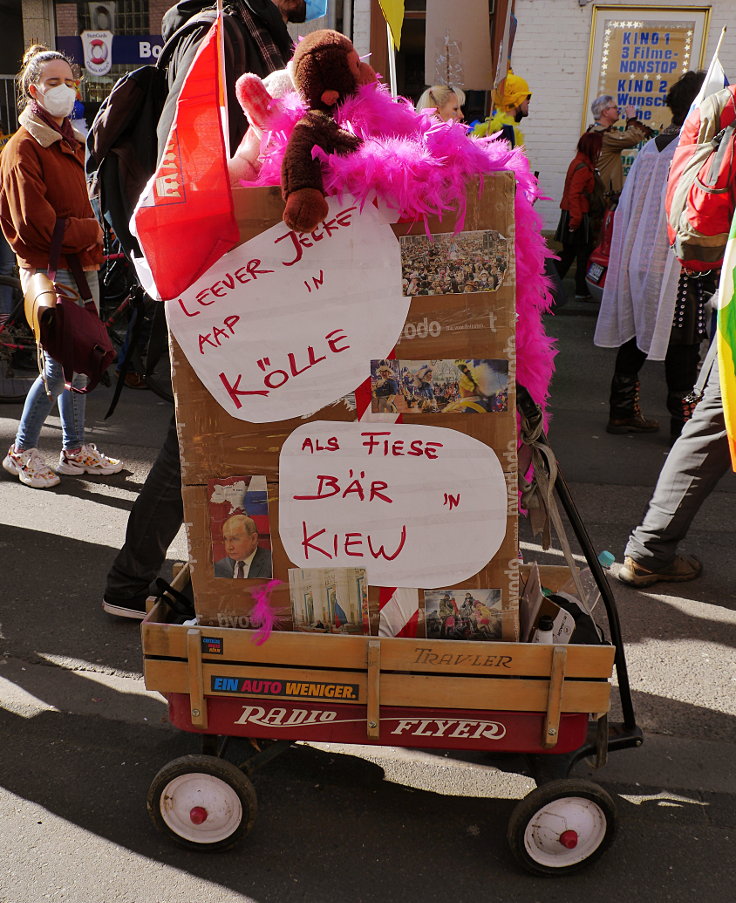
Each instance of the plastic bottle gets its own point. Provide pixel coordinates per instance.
(591, 592)
(543, 633)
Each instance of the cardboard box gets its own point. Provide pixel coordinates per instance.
(474, 325)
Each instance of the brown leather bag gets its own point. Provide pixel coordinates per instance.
(40, 298)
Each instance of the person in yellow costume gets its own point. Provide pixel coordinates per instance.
(511, 106)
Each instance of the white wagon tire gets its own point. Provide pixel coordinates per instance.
(561, 826)
(202, 802)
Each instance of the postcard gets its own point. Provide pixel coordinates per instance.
(330, 600)
(239, 527)
(439, 386)
(453, 263)
(463, 614)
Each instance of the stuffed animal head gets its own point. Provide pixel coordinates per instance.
(327, 69)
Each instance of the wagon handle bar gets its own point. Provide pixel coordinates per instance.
(530, 411)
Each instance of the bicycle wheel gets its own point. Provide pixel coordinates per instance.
(14, 385)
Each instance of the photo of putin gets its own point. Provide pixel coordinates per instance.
(243, 556)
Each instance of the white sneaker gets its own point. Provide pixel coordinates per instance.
(30, 469)
(88, 460)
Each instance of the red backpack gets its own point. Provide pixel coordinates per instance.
(701, 188)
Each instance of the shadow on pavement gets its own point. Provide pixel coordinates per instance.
(330, 828)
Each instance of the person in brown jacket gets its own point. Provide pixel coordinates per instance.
(574, 229)
(606, 114)
(42, 178)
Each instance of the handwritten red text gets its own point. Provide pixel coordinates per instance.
(355, 544)
(215, 338)
(222, 287)
(302, 240)
(315, 445)
(329, 486)
(276, 377)
(397, 447)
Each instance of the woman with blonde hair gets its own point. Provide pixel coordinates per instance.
(445, 101)
(43, 189)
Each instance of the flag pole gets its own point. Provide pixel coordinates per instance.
(720, 40)
(222, 92)
(391, 61)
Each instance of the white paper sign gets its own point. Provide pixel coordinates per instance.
(97, 50)
(288, 322)
(417, 506)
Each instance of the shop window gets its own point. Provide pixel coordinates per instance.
(131, 16)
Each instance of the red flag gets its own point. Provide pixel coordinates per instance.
(185, 219)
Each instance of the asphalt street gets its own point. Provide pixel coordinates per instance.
(82, 738)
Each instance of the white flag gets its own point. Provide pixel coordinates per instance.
(715, 77)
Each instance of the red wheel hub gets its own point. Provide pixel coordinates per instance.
(198, 815)
(569, 839)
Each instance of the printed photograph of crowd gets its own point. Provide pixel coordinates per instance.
(458, 614)
(439, 387)
(447, 264)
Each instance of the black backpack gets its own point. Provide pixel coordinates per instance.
(122, 145)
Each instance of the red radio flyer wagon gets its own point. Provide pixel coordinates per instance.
(546, 703)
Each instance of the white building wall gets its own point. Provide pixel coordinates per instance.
(362, 26)
(551, 53)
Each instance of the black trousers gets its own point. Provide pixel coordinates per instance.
(576, 246)
(680, 364)
(154, 521)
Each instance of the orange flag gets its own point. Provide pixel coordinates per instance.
(185, 219)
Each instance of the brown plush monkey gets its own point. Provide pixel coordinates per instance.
(326, 70)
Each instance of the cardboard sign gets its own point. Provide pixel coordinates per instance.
(287, 322)
(413, 505)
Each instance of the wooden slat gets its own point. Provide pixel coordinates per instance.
(502, 659)
(489, 693)
(412, 690)
(194, 678)
(552, 718)
(416, 655)
(373, 689)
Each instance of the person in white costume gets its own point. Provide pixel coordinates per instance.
(651, 309)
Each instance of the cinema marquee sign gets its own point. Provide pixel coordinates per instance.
(638, 52)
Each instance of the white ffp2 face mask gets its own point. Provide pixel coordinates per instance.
(58, 101)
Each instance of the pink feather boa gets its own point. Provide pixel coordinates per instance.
(420, 167)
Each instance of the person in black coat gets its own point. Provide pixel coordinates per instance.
(157, 513)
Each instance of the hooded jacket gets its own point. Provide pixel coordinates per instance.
(43, 180)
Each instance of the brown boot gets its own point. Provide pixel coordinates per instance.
(625, 413)
(679, 570)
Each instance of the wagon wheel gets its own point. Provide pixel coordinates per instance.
(202, 803)
(561, 827)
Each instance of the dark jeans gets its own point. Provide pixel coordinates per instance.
(154, 521)
(695, 464)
